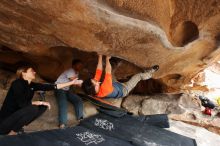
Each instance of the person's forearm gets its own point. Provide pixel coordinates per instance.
(99, 65)
(62, 85)
(36, 103)
(72, 78)
(41, 103)
(108, 68)
(73, 82)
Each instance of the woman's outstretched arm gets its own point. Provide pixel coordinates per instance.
(73, 82)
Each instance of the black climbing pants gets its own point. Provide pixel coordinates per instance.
(21, 118)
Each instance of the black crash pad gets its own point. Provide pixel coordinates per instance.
(101, 103)
(159, 120)
(106, 129)
(134, 131)
(76, 136)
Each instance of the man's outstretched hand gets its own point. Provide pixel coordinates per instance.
(76, 81)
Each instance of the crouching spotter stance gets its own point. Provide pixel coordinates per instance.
(110, 89)
(18, 108)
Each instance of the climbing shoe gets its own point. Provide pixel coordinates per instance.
(148, 72)
(151, 69)
(155, 67)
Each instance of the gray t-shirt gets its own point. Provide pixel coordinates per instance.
(65, 77)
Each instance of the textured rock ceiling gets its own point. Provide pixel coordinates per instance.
(182, 36)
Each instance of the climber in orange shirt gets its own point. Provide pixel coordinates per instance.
(110, 89)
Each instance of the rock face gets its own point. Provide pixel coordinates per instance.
(201, 135)
(180, 107)
(181, 36)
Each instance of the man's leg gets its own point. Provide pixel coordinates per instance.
(61, 97)
(78, 104)
(128, 86)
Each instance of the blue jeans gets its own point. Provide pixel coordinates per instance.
(62, 97)
(117, 92)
